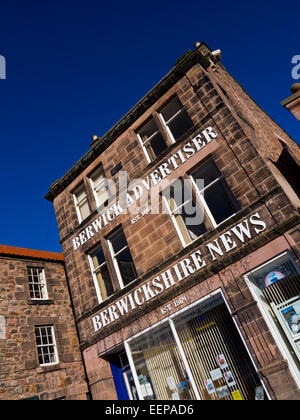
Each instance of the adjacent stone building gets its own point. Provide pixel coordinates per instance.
(171, 309)
(39, 349)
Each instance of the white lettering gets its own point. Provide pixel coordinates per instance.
(254, 221)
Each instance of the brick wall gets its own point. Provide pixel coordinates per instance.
(21, 376)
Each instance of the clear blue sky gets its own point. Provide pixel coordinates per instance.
(75, 68)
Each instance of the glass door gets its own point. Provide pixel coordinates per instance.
(159, 367)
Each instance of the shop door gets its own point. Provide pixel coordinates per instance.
(159, 367)
(219, 362)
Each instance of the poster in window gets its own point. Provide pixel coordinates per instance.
(216, 374)
(273, 277)
(223, 392)
(229, 379)
(222, 361)
(209, 386)
(291, 315)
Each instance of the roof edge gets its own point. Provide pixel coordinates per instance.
(188, 60)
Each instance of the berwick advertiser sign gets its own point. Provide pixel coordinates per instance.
(141, 188)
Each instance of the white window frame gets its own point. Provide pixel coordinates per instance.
(54, 345)
(96, 186)
(279, 341)
(200, 194)
(79, 202)
(143, 143)
(42, 283)
(94, 273)
(165, 123)
(173, 213)
(115, 261)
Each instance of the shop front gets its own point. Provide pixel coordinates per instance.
(197, 353)
(203, 349)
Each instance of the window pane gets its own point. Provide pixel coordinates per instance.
(220, 201)
(148, 130)
(85, 210)
(180, 124)
(208, 172)
(118, 240)
(104, 282)
(157, 144)
(171, 109)
(126, 267)
(80, 194)
(98, 257)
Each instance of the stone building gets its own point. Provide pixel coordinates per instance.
(39, 349)
(195, 294)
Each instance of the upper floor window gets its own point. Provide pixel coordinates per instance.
(164, 128)
(202, 206)
(99, 187)
(176, 119)
(151, 140)
(37, 283)
(122, 258)
(217, 198)
(81, 203)
(102, 279)
(46, 345)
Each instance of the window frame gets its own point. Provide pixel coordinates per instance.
(94, 271)
(114, 254)
(174, 212)
(143, 143)
(201, 192)
(54, 345)
(43, 290)
(97, 186)
(166, 123)
(84, 200)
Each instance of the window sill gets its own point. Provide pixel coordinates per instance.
(50, 368)
(40, 302)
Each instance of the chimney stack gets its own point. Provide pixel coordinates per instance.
(292, 103)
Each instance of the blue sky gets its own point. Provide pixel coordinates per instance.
(75, 68)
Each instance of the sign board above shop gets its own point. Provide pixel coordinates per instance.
(218, 248)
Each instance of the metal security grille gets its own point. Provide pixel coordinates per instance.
(283, 290)
(209, 335)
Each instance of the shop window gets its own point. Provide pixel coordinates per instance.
(99, 187)
(196, 354)
(37, 283)
(186, 212)
(151, 140)
(46, 346)
(216, 196)
(176, 119)
(122, 258)
(276, 286)
(81, 203)
(102, 280)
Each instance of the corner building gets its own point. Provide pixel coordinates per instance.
(168, 309)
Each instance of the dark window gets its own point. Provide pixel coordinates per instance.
(176, 118)
(122, 257)
(102, 279)
(152, 140)
(215, 192)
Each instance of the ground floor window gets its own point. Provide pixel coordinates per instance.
(276, 286)
(195, 354)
